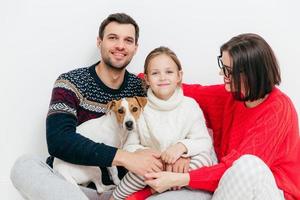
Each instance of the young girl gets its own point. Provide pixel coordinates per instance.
(171, 123)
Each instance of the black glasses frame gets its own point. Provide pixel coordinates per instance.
(226, 69)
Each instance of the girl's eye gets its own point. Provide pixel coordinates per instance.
(170, 72)
(154, 73)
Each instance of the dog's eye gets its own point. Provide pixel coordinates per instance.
(134, 109)
(121, 111)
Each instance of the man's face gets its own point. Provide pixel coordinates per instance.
(118, 45)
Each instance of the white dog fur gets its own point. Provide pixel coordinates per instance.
(111, 129)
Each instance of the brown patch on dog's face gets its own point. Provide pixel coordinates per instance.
(134, 107)
(131, 107)
(116, 107)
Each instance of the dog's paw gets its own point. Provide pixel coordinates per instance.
(116, 181)
(100, 190)
(109, 187)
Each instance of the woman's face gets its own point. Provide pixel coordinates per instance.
(228, 80)
(227, 64)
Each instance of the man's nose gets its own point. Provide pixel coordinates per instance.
(120, 44)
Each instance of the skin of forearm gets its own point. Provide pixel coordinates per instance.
(119, 159)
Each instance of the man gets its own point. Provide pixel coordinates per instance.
(78, 96)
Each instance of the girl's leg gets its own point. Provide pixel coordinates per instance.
(129, 184)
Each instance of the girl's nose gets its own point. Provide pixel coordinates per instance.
(162, 77)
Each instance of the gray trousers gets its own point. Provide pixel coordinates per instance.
(35, 180)
(248, 178)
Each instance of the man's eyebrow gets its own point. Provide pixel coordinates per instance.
(130, 37)
(112, 34)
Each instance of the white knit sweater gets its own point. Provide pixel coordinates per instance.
(163, 123)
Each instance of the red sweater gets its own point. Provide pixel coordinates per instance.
(269, 131)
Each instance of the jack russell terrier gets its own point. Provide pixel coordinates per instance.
(111, 129)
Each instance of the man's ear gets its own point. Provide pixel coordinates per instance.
(142, 101)
(136, 48)
(99, 41)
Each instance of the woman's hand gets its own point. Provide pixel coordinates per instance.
(173, 152)
(181, 165)
(162, 181)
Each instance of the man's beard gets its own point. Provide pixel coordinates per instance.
(109, 64)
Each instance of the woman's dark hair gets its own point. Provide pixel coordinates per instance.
(254, 64)
(120, 18)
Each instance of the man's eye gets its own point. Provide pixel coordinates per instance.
(121, 111)
(129, 41)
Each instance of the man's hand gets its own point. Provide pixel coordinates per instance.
(139, 162)
(173, 152)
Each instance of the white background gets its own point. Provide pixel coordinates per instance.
(41, 39)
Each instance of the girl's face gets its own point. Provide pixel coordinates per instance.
(163, 76)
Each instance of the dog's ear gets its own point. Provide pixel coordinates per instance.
(110, 105)
(142, 101)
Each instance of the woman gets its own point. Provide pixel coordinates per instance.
(255, 129)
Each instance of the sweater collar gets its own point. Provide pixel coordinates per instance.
(165, 105)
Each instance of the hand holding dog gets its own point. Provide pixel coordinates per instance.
(139, 162)
(173, 153)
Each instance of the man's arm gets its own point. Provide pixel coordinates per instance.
(64, 143)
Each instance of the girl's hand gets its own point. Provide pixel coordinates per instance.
(162, 181)
(171, 154)
(180, 166)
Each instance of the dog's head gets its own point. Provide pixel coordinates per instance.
(127, 110)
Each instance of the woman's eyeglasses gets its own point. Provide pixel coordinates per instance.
(226, 69)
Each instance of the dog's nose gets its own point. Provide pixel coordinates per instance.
(129, 124)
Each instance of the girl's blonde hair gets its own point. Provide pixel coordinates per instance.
(159, 51)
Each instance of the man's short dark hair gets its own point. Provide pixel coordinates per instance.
(120, 18)
(254, 64)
